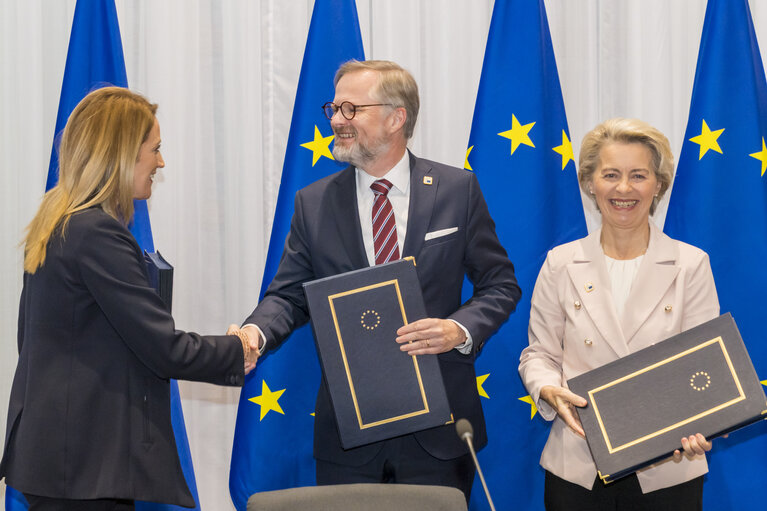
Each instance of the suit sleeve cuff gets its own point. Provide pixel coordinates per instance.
(544, 409)
(468, 344)
(262, 338)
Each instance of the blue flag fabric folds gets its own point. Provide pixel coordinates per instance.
(95, 59)
(520, 149)
(274, 431)
(719, 203)
(14, 500)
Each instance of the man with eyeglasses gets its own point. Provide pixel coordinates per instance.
(389, 204)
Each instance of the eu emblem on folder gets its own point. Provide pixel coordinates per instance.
(377, 391)
(640, 406)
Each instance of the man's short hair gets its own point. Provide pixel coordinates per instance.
(395, 86)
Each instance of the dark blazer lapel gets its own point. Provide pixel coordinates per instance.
(346, 211)
(588, 273)
(656, 273)
(422, 198)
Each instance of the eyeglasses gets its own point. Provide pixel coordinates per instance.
(348, 109)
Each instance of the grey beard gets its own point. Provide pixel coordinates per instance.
(359, 155)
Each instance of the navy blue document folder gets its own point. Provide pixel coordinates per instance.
(160, 274)
(377, 391)
(640, 406)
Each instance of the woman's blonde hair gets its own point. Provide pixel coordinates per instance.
(97, 154)
(626, 131)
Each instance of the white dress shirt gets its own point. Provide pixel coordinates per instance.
(399, 196)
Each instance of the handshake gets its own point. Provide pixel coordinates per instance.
(250, 337)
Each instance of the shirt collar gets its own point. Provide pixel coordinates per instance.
(398, 176)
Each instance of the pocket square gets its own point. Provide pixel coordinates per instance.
(440, 233)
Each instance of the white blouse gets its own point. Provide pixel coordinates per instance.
(622, 274)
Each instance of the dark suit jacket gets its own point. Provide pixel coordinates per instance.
(89, 415)
(325, 239)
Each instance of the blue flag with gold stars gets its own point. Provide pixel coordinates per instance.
(719, 203)
(275, 423)
(95, 59)
(521, 152)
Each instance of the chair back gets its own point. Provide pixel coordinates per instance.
(360, 497)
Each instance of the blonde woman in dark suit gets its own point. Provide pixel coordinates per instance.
(89, 417)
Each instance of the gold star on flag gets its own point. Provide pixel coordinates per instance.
(707, 140)
(764, 382)
(566, 150)
(761, 156)
(533, 408)
(320, 146)
(268, 400)
(466, 162)
(480, 389)
(518, 134)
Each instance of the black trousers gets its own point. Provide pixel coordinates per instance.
(402, 460)
(48, 504)
(622, 495)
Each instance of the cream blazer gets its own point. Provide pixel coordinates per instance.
(574, 328)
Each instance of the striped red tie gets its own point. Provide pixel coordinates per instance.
(384, 224)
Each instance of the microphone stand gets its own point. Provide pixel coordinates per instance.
(467, 436)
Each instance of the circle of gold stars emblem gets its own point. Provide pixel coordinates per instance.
(370, 320)
(700, 381)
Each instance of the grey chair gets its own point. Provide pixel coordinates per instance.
(360, 497)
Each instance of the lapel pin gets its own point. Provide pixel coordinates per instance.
(589, 287)
(427, 180)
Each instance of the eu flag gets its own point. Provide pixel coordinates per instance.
(277, 402)
(719, 203)
(95, 59)
(520, 149)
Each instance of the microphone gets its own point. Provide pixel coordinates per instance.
(466, 433)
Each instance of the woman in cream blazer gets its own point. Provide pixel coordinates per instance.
(620, 289)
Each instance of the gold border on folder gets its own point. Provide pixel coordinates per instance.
(604, 477)
(414, 413)
(740, 397)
